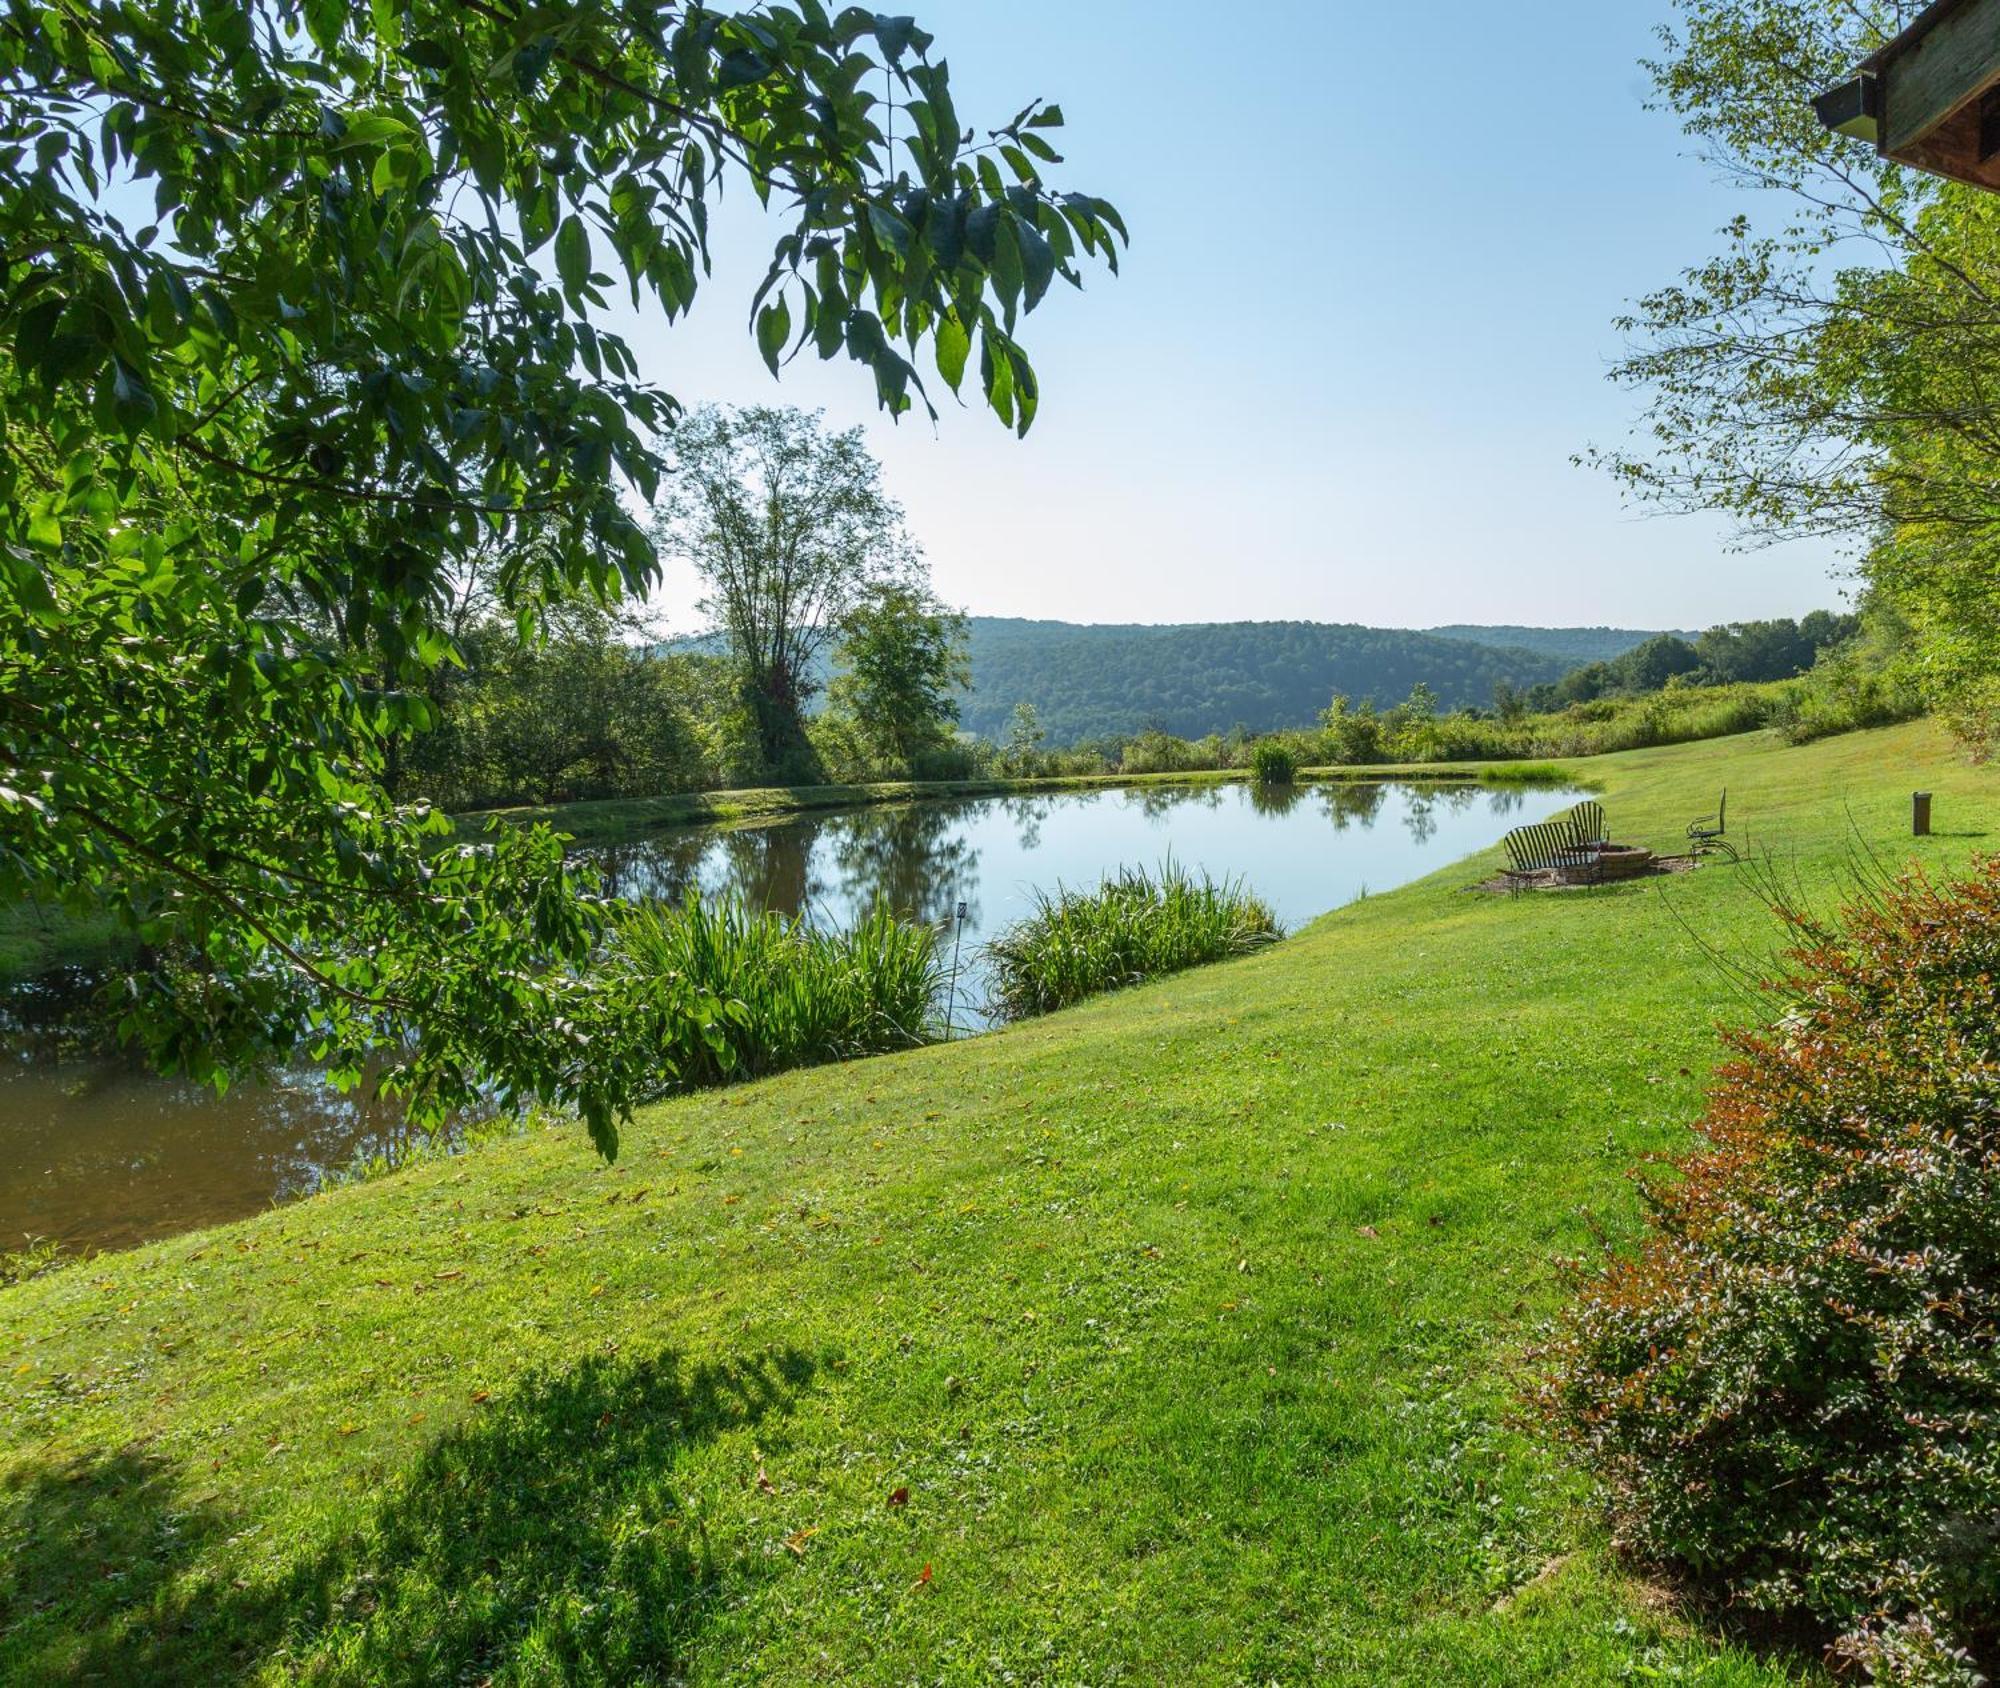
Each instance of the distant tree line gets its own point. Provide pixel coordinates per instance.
(833, 661)
(1090, 683)
(1734, 653)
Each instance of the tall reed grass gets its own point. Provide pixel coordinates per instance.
(731, 995)
(1134, 927)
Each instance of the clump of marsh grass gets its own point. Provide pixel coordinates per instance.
(36, 1257)
(1134, 927)
(1272, 763)
(730, 995)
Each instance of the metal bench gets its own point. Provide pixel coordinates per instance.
(1546, 847)
(1709, 835)
(1586, 823)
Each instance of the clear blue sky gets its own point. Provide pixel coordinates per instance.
(1364, 325)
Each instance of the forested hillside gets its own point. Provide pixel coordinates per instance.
(1109, 679)
(1575, 645)
(1086, 682)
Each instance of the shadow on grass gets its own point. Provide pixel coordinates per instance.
(546, 1540)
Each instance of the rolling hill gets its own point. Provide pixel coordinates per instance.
(1089, 681)
(1096, 680)
(1575, 645)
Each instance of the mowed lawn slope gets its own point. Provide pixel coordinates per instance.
(1175, 1339)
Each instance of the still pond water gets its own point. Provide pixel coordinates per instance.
(95, 1155)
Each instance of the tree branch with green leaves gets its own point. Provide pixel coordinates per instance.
(300, 316)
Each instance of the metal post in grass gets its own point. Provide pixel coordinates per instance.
(957, 936)
(1920, 814)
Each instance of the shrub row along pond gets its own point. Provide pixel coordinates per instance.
(742, 995)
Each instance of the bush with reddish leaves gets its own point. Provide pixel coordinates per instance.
(1792, 1391)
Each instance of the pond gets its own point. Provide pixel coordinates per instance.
(97, 1155)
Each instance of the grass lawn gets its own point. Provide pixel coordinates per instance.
(1173, 1339)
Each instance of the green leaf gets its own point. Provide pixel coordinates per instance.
(573, 256)
(954, 346)
(1038, 262)
(133, 404)
(371, 129)
(325, 20)
(774, 329)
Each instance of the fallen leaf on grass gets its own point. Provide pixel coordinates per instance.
(481, 1396)
(349, 1429)
(416, 1418)
(455, 1272)
(1368, 1231)
(899, 1497)
(797, 1540)
(764, 1483)
(923, 1578)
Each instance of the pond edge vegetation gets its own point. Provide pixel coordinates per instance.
(1135, 926)
(610, 820)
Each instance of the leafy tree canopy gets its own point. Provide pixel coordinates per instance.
(296, 316)
(791, 533)
(902, 668)
(1832, 370)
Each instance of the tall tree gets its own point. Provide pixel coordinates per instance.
(1835, 372)
(298, 303)
(789, 528)
(902, 669)
(1025, 734)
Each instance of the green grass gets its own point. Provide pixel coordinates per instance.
(1189, 1321)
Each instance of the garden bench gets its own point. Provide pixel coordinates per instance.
(1586, 822)
(1708, 836)
(1550, 845)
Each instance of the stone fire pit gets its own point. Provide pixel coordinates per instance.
(1613, 862)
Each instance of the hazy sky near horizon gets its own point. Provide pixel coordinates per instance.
(1362, 330)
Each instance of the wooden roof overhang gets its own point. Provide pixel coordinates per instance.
(1931, 98)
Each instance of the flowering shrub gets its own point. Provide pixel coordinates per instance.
(1792, 1391)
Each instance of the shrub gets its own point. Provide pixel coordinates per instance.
(1273, 764)
(1353, 733)
(1157, 752)
(730, 995)
(1846, 691)
(1792, 1391)
(1130, 929)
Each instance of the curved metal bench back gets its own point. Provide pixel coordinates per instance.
(1546, 845)
(1586, 822)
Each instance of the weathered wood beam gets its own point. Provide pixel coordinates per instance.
(1931, 98)
(1931, 75)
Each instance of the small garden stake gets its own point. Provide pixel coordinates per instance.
(957, 933)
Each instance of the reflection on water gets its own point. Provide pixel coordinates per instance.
(1304, 848)
(102, 1154)
(96, 1154)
